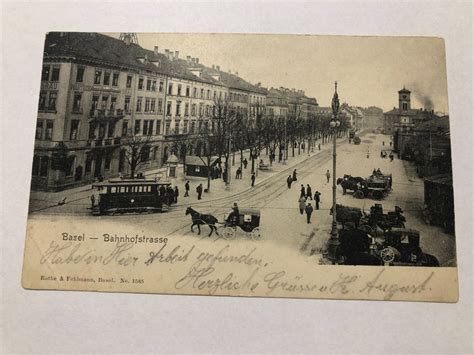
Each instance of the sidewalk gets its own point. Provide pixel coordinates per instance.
(77, 200)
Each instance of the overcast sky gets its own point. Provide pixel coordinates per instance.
(369, 70)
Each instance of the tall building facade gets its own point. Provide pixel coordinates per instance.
(98, 91)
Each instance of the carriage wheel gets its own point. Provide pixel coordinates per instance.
(228, 233)
(359, 194)
(387, 255)
(255, 234)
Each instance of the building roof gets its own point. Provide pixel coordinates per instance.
(199, 161)
(404, 91)
(104, 49)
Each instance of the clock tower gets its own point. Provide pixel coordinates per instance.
(404, 100)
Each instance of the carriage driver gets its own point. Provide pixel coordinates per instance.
(233, 217)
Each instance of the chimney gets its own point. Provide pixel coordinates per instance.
(218, 67)
(188, 58)
(126, 39)
(167, 53)
(197, 60)
(213, 66)
(236, 73)
(193, 60)
(176, 54)
(155, 49)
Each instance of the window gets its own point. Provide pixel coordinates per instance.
(129, 81)
(53, 95)
(148, 84)
(188, 91)
(179, 90)
(108, 159)
(74, 130)
(178, 108)
(95, 103)
(168, 108)
(44, 166)
(404, 106)
(137, 126)
(80, 75)
(126, 105)
(45, 73)
(105, 99)
(55, 74)
(97, 77)
(167, 127)
(195, 92)
(92, 127)
(107, 78)
(39, 130)
(161, 86)
(147, 104)
(77, 103)
(158, 127)
(185, 127)
(124, 128)
(115, 79)
(202, 93)
(170, 89)
(193, 127)
(208, 94)
(160, 105)
(145, 127)
(152, 105)
(49, 130)
(153, 85)
(176, 127)
(42, 100)
(215, 95)
(201, 109)
(139, 104)
(113, 103)
(193, 110)
(140, 83)
(186, 109)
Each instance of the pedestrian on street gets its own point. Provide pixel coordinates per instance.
(319, 146)
(390, 143)
(170, 193)
(289, 180)
(162, 191)
(199, 191)
(176, 194)
(245, 162)
(317, 199)
(309, 211)
(368, 154)
(186, 188)
(92, 201)
(253, 179)
(383, 142)
(302, 204)
(294, 175)
(302, 191)
(309, 194)
(328, 175)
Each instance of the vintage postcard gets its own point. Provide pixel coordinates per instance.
(243, 165)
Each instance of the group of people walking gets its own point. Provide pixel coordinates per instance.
(306, 194)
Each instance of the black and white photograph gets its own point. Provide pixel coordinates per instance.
(236, 177)
(199, 152)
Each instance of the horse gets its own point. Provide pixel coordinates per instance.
(346, 214)
(349, 182)
(199, 219)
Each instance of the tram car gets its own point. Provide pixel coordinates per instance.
(118, 196)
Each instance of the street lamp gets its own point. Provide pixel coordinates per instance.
(333, 243)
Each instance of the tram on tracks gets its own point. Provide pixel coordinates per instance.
(119, 196)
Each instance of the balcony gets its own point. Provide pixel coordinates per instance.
(104, 115)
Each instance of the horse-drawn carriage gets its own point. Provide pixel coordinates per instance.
(398, 247)
(247, 220)
(376, 186)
